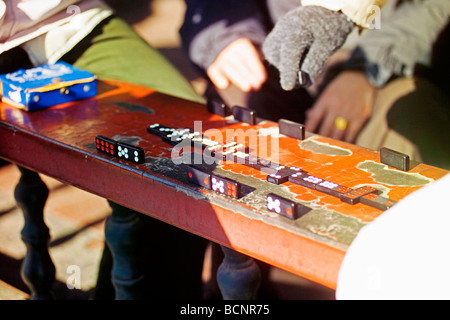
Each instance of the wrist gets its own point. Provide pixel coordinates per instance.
(375, 73)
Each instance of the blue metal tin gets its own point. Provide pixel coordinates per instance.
(46, 86)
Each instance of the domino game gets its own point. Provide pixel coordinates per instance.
(277, 174)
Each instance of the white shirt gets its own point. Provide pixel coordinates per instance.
(403, 254)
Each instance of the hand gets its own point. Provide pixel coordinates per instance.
(239, 64)
(303, 40)
(350, 96)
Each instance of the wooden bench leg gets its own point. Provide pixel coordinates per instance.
(238, 276)
(38, 270)
(122, 234)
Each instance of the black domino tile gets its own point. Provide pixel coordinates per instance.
(204, 143)
(173, 142)
(159, 130)
(213, 150)
(244, 115)
(267, 166)
(282, 174)
(240, 157)
(332, 188)
(216, 150)
(227, 153)
(218, 107)
(177, 136)
(131, 153)
(261, 164)
(351, 197)
(178, 133)
(188, 138)
(305, 179)
(376, 201)
(226, 186)
(285, 207)
(368, 189)
(119, 149)
(106, 145)
(277, 174)
(394, 159)
(291, 129)
(199, 176)
(354, 196)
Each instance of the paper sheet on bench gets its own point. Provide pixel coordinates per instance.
(403, 254)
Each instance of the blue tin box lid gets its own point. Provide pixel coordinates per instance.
(45, 75)
(39, 87)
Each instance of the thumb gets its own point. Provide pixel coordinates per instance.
(291, 54)
(315, 59)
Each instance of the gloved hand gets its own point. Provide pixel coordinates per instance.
(303, 40)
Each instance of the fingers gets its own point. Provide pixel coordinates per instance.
(252, 62)
(350, 132)
(314, 117)
(316, 58)
(343, 107)
(329, 124)
(306, 30)
(222, 75)
(217, 77)
(354, 128)
(322, 119)
(240, 64)
(285, 46)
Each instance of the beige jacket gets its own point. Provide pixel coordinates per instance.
(362, 12)
(47, 29)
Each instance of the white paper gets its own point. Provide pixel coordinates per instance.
(405, 253)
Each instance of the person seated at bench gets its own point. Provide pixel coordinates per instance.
(224, 40)
(254, 45)
(88, 35)
(393, 90)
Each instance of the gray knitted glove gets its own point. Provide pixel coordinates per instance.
(303, 40)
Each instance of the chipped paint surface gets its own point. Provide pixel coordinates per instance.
(330, 221)
(133, 107)
(382, 174)
(323, 148)
(330, 224)
(130, 140)
(245, 223)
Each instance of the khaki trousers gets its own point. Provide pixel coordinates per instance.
(411, 116)
(376, 133)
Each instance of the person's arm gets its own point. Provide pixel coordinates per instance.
(403, 41)
(211, 25)
(359, 11)
(303, 40)
(239, 63)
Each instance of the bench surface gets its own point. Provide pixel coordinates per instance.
(60, 142)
